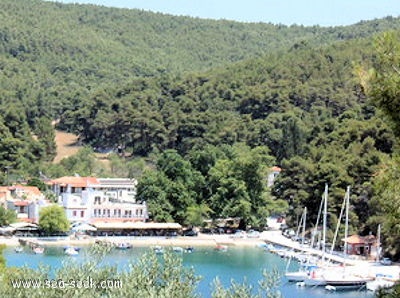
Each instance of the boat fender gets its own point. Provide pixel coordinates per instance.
(313, 274)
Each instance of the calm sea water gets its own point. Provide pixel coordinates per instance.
(238, 264)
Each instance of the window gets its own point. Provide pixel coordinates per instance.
(82, 213)
(74, 213)
(95, 212)
(96, 200)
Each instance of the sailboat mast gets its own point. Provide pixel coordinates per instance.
(378, 248)
(325, 220)
(304, 226)
(316, 225)
(346, 229)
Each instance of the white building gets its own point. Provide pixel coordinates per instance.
(25, 200)
(89, 199)
(273, 173)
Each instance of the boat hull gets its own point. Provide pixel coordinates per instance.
(296, 276)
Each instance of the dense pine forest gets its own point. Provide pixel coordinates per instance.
(206, 107)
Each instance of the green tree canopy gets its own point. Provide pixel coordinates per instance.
(7, 216)
(52, 219)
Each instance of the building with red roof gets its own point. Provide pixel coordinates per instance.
(361, 245)
(273, 173)
(90, 199)
(25, 200)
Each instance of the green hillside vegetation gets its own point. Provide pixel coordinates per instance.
(211, 104)
(303, 105)
(54, 55)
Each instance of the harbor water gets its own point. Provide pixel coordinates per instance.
(237, 263)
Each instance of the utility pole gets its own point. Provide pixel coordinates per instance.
(7, 174)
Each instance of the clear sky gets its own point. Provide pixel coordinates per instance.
(288, 12)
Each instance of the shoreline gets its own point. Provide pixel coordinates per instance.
(209, 241)
(184, 241)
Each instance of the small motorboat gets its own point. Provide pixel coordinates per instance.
(19, 249)
(189, 249)
(177, 249)
(74, 247)
(71, 251)
(158, 250)
(123, 245)
(221, 247)
(38, 250)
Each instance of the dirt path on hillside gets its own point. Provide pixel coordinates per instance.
(66, 145)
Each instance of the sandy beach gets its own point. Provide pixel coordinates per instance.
(200, 240)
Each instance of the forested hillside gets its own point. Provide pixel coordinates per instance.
(304, 106)
(54, 55)
(216, 101)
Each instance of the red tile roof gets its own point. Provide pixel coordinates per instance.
(356, 239)
(74, 181)
(21, 203)
(30, 220)
(276, 169)
(28, 189)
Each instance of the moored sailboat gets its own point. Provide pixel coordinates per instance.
(316, 277)
(342, 279)
(303, 273)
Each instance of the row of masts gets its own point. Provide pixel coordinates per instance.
(344, 209)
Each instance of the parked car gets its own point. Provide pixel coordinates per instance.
(305, 241)
(283, 227)
(239, 234)
(253, 234)
(190, 233)
(386, 261)
(289, 233)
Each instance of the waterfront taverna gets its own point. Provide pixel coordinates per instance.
(361, 245)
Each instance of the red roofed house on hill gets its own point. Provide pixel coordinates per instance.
(273, 173)
(25, 200)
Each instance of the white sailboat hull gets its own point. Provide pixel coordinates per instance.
(296, 276)
(346, 281)
(315, 282)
